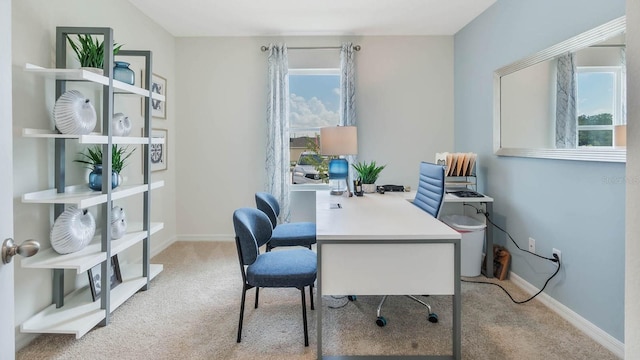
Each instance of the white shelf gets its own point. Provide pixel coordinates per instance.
(93, 138)
(79, 314)
(84, 75)
(82, 196)
(91, 255)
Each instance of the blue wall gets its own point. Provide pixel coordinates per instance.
(574, 206)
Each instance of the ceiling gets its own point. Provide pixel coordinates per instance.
(311, 17)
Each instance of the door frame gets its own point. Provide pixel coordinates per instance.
(7, 304)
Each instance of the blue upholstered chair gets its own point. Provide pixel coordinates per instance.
(429, 197)
(287, 234)
(295, 268)
(430, 188)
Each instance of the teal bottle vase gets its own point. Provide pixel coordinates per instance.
(95, 178)
(121, 72)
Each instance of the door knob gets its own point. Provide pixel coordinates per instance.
(26, 249)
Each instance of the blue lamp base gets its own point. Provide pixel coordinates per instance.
(338, 174)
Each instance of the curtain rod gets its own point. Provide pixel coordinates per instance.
(355, 47)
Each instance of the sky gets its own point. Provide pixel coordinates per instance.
(595, 93)
(314, 100)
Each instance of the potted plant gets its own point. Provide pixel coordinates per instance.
(93, 159)
(368, 173)
(90, 51)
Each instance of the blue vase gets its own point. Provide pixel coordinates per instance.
(121, 72)
(95, 178)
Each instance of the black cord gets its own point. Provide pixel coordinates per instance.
(511, 297)
(554, 259)
(510, 238)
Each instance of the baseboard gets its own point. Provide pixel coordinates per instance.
(600, 336)
(23, 339)
(158, 247)
(210, 237)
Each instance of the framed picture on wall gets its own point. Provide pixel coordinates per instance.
(158, 152)
(159, 86)
(95, 277)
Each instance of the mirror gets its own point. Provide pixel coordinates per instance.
(567, 101)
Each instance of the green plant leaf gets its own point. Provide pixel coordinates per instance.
(368, 173)
(90, 51)
(93, 157)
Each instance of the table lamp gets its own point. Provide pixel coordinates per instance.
(338, 141)
(620, 135)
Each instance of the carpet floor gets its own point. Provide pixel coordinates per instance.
(191, 312)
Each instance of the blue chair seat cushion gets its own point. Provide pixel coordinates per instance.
(293, 234)
(284, 268)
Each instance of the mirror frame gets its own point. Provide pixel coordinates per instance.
(577, 42)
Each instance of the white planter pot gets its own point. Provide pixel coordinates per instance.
(369, 188)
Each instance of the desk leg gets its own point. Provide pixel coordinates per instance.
(319, 304)
(457, 303)
(489, 248)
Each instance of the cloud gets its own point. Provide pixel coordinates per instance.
(310, 112)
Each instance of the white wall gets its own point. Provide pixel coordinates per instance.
(33, 38)
(404, 99)
(525, 107)
(632, 269)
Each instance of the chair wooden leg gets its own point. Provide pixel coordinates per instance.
(244, 295)
(257, 292)
(304, 318)
(311, 296)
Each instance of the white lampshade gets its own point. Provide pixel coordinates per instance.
(620, 135)
(338, 140)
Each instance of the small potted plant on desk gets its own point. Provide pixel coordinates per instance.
(368, 173)
(93, 159)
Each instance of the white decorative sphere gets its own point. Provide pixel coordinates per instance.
(120, 125)
(118, 228)
(74, 114)
(73, 230)
(117, 213)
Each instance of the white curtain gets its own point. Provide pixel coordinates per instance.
(566, 91)
(277, 154)
(348, 94)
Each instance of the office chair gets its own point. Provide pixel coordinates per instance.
(286, 234)
(429, 197)
(294, 268)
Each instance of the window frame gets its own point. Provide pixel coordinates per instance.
(617, 103)
(292, 129)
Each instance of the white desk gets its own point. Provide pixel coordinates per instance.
(384, 245)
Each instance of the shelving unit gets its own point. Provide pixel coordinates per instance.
(76, 313)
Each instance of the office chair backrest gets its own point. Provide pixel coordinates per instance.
(430, 192)
(253, 229)
(268, 204)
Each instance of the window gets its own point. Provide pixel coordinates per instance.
(599, 104)
(314, 102)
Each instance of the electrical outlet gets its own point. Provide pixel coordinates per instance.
(532, 245)
(558, 253)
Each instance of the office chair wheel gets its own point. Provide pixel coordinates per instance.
(352, 298)
(433, 317)
(381, 321)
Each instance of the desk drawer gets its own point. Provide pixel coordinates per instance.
(387, 269)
